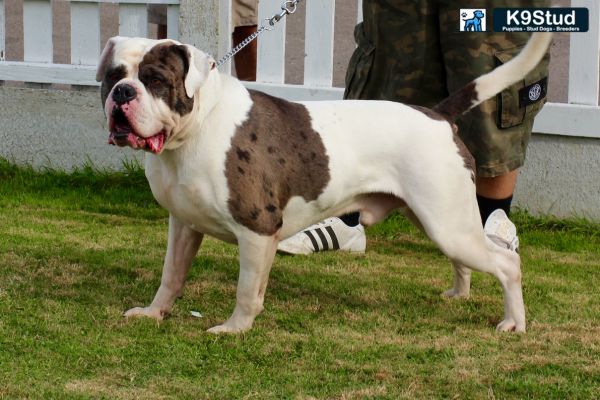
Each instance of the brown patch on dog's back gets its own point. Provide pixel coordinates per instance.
(466, 155)
(458, 102)
(167, 63)
(429, 112)
(463, 151)
(275, 154)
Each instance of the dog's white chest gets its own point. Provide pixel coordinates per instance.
(191, 198)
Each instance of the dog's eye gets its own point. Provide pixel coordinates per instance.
(155, 82)
(113, 76)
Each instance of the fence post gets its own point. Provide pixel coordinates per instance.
(206, 25)
(85, 33)
(583, 75)
(2, 35)
(2, 49)
(318, 43)
(133, 20)
(271, 46)
(37, 35)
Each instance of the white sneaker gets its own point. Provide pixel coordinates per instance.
(331, 234)
(502, 231)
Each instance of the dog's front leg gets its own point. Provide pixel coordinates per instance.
(256, 257)
(182, 247)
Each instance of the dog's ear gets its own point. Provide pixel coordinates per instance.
(106, 57)
(199, 66)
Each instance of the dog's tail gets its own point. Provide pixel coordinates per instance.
(492, 83)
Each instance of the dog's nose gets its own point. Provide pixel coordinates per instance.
(123, 93)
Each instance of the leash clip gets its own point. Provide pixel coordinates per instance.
(287, 7)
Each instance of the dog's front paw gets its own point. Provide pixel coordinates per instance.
(509, 325)
(455, 294)
(151, 312)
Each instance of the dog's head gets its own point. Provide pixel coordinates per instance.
(478, 14)
(149, 89)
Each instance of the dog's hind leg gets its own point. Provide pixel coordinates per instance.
(460, 236)
(182, 247)
(462, 282)
(462, 274)
(256, 257)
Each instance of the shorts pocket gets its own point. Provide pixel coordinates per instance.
(522, 101)
(360, 64)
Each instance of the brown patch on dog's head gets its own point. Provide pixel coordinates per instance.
(163, 71)
(275, 154)
(110, 79)
(108, 73)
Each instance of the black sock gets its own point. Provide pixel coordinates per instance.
(351, 219)
(488, 206)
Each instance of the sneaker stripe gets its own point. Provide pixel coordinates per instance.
(312, 240)
(334, 239)
(323, 238)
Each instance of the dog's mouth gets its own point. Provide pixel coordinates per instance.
(122, 134)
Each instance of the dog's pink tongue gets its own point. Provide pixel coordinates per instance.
(155, 143)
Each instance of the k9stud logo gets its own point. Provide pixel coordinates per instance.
(473, 20)
(575, 19)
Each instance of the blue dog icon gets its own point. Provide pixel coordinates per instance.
(474, 24)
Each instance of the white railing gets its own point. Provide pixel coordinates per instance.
(580, 116)
(2, 35)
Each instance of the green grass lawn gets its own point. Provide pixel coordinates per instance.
(76, 250)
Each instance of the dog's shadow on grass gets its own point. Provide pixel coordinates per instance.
(301, 288)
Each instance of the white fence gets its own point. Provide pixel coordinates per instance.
(579, 117)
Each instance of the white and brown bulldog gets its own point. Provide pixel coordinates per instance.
(252, 169)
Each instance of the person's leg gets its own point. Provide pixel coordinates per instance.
(245, 21)
(498, 187)
(157, 14)
(495, 193)
(497, 132)
(245, 60)
(161, 31)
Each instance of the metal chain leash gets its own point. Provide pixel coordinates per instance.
(287, 7)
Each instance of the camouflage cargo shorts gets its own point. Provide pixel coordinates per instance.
(412, 51)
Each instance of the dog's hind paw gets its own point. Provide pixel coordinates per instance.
(151, 312)
(509, 325)
(455, 294)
